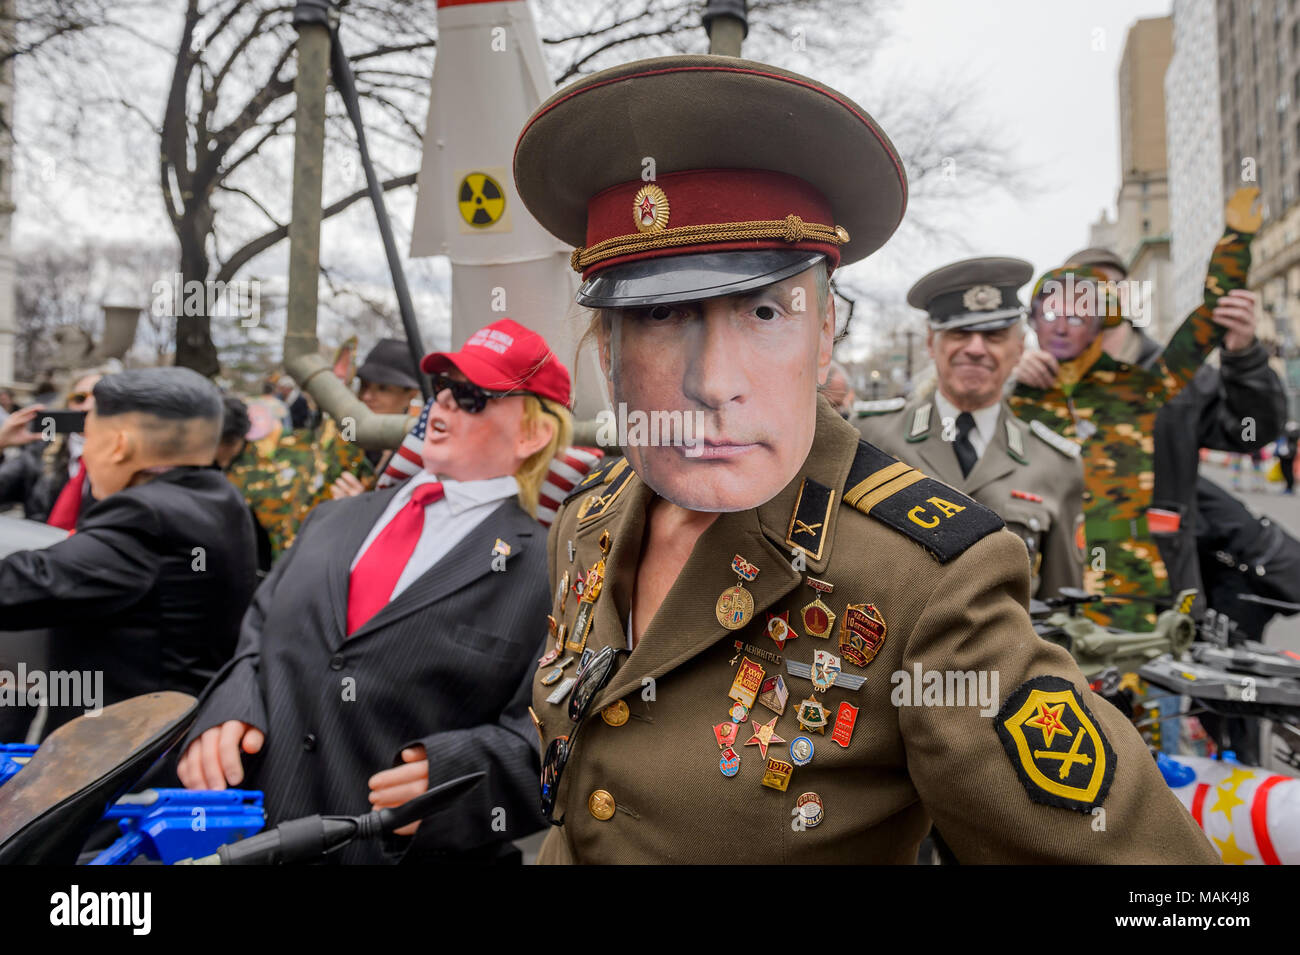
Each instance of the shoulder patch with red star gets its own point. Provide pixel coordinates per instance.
(1055, 745)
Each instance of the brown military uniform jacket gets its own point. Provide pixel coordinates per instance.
(904, 765)
(1030, 478)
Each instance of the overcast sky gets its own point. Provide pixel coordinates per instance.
(1042, 81)
(1038, 73)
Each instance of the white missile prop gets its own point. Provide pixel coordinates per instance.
(1251, 816)
(489, 76)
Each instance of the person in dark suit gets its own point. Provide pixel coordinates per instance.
(150, 588)
(393, 647)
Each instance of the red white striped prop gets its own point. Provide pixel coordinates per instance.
(567, 469)
(1251, 816)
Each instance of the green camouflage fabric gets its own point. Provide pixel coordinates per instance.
(1120, 402)
(284, 478)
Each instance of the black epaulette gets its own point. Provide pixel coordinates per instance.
(602, 473)
(942, 520)
(601, 488)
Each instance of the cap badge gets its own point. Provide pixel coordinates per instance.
(981, 298)
(650, 209)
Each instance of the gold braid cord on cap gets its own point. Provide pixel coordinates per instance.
(790, 229)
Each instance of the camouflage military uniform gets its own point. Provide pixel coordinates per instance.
(284, 477)
(1110, 408)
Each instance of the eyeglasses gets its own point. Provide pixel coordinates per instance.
(468, 396)
(76, 397)
(590, 680)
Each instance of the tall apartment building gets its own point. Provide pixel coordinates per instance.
(1139, 232)
(1194, 138)
(1259, 101)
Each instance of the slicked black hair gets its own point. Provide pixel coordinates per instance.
(172, 394)
(234, 423)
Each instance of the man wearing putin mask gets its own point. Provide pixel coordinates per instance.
(751, 580)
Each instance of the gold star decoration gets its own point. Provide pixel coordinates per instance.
(1049, 721)
(764, 736)
(1232, 854)
(1227, 788)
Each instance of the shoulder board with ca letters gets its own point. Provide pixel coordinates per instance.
(1059, 441)
(866, 409)
(942, 520)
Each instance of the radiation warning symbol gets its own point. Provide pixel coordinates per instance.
(481, 200)
(1055, 745)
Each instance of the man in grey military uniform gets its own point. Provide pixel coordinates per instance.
(961, 431)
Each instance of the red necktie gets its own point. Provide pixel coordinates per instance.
(372, 580)
(68, 504)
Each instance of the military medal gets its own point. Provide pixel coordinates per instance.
(812, 716)
(561, 691)
(736, 604)
(552, 677)
(825, 669)
(809, 807)
(616, 713)
(801, 750)
(590, 592)
(764, 736)
(759, 652)
(845, 681)
(725, 733)
(748, 681)
(777, 774)
(844, 722)
(572, 553)
(862, 633)
(729, 762)
(774, 694)
(549, 656)
(817, 617)
(779, 629)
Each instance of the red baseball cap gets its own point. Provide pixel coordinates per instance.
(505, 356)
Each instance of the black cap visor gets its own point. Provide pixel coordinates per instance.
(672, 279)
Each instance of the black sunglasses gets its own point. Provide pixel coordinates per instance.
(468, 396)
(590, 680)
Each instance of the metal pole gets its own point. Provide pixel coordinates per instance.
(347, 88)
(727, 23)
(311, 18)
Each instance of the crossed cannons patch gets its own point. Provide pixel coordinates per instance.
(1055, 745)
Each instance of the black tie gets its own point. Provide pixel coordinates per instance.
(966, 455)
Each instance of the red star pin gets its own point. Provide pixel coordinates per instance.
(778, 628)
(647, 209)
(764, 736)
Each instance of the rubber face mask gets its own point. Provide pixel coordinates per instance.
(715, 401)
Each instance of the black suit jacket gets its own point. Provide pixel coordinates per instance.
(448, 663)
(149, 590)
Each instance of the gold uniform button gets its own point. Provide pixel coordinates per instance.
(601, 804)
(616, 714)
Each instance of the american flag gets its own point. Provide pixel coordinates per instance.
(569, 467)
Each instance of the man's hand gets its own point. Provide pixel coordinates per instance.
(14, 431)
(347, 485)
(212, 761)
(1237, 311)
(1037, 369)
(399, 785)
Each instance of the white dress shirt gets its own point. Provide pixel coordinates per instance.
(446, 522)
(986, 422)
